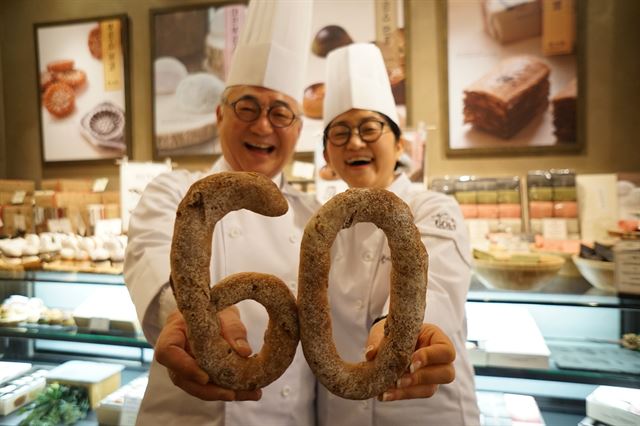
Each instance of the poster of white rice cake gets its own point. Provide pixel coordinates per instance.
(192, 50)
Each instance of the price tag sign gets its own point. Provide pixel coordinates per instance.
(100, 184)
(18, 197)
(554, 229)
(99, 324)
(60, 225)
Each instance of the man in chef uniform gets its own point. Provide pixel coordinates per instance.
(259, 123)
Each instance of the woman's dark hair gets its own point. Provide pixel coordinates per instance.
(389, 122)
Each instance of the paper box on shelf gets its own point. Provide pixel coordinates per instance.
(107, 310)
(512, 20)
(109, 197)
(627, 266)
(74, 185)
(598, 204)
(10, 370)
(558, 27)
(18, 197)
(508, 336)
(20, 391)
(615, 406)
(17, 218)
(100, 379)
(123, 404)
(112, 211)
(13, 185)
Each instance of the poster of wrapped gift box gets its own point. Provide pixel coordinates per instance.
(513, 76)
(82, 89)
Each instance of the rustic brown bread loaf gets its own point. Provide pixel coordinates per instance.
(206, 202)
(408, 290)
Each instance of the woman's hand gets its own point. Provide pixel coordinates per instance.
(431, 363)
(172, 351)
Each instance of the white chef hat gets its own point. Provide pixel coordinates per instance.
(357, 79)
(273, 47)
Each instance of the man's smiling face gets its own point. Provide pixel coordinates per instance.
(257, 146)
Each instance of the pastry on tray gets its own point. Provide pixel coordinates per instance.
(508, 97)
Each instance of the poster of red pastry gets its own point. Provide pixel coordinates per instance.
(192, 47)
(512, 76)
(82, 89)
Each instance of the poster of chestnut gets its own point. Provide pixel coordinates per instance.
(82, 93)
(380, 22)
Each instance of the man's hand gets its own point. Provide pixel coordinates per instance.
(172, 350)
(431, 363)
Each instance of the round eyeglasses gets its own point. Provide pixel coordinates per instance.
(248, 109)
(369, 131)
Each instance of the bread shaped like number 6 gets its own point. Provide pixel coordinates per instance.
(407, 292)
(206, 202)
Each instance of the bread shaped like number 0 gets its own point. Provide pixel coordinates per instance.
(407, 293)
(206, 202)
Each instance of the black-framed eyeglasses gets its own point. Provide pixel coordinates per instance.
(248, 109)
(369, 131)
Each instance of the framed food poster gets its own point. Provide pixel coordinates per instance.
(82, 69)
(334, 25)
(513, 76)
(192, 48)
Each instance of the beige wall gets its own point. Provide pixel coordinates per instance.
(613, 95)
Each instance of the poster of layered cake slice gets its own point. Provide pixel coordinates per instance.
(512, 75)
(192, 50)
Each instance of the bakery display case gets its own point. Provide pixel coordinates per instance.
(558, 343)
(103, 322)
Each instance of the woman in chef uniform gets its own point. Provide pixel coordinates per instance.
(258, 123)
(362, 144)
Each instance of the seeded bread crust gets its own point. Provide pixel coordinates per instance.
(206, 202)
(362, 380)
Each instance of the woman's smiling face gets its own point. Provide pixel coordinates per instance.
(361, 164)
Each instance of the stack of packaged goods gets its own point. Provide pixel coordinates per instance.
(509, 207)
(66, 225)
(553, 204)
(565, 200)
(70, 205)
(493, 203)
(16, 207)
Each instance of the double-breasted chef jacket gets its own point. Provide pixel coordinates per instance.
(243, 241)
(359, 293)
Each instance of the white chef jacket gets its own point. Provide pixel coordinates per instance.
(359, 293)
(243, 241)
